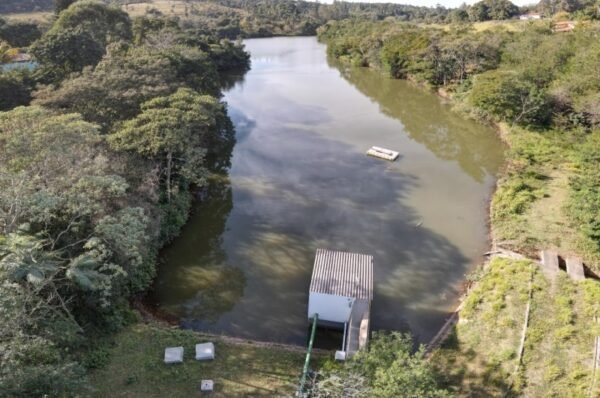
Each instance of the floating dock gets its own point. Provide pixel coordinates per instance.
(382, 153)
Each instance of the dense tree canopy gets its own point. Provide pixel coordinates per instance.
(104, 23)
(176, 131)
(389, 369)
(81, 221)
(19, 34)
(492, 9)
(61, 5)
(79, 37)
(66, 51)
(15, 89)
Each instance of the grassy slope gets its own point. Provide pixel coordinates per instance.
(177, 8)
(29, 16)
(480, 357)
(530, 210)
(510, 26)
(136, 367)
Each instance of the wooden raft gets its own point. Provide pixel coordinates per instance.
(382, 153)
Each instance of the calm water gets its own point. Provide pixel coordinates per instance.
(300, 180)
(18, 65)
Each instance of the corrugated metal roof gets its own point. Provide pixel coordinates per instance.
(343, 274)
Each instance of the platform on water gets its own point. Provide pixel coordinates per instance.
(382, 153)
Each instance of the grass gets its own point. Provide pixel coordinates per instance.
(509, 25)
(135, 368)
(43, 16)
(536, 207)
(177, 8)
(528, 210)
(165, 7)
(480, 357)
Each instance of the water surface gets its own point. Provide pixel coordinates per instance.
(18, 65)
(300, 180)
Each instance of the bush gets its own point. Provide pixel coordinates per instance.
(508, 96)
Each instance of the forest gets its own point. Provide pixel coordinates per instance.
(119, 121)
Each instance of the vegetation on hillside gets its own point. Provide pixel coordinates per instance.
(132, 360)
(481, 357)
(95, 180)
(389, 369)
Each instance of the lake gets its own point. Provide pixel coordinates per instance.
(300, 180)
(18, 65)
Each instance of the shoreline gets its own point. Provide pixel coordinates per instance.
(153, 316)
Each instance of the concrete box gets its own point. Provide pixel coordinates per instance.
(205, 351)
(174, 355)
(207, 385)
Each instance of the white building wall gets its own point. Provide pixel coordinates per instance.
(329, 307)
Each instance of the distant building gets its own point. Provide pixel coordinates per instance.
(530, 17)
(563, 26)
(21, 57)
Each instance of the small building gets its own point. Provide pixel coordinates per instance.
(563, 26)
(341, 292)
(530, 17)
(21, 57)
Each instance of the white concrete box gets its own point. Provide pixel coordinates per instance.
(205, 351)
(207, 385)
(173, 355)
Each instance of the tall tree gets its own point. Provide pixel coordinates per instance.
(103, 22)
(176, 131)
(66, 51)
(115, 89)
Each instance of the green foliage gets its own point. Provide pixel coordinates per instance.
(264, 18)
(176, 132)
(492, 9)
(35, 326)
(14, 89)
(65, 51)
(389, 369)
(399, 56)
(584, 200)
(61, 5)
(510, 97)
(414, 52)
(80, 221)
(128, 76)
(105, 24)
(395, 371)
(551, 7)
(79, 37)
(19, 34)
(115, 89)
(97, 358)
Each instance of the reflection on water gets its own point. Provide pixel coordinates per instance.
(427, 120)
(300, 180)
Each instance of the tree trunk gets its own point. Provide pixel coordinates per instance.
(169, 168)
